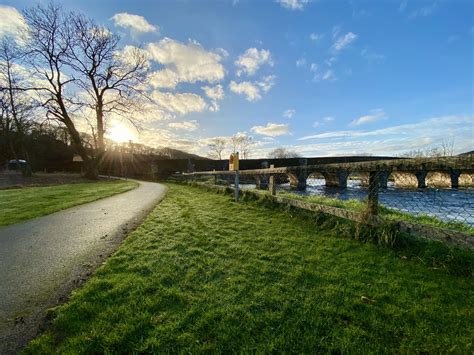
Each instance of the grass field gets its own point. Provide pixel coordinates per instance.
(17, 205)
(203, 273)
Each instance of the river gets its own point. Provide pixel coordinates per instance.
(445, 204)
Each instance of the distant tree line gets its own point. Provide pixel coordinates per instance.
(48, 146)
(240, 142)
(444, 149)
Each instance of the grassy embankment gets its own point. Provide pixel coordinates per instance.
(17, 205)
(203, 273)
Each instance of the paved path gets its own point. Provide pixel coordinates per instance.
(43, 259)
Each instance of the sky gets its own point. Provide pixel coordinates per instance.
(321, 77)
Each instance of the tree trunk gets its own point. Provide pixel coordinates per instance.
(100, 127)
(90, 164)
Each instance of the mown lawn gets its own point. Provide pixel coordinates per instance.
(17, 205)
(203, 273)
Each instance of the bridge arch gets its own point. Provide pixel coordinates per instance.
(411, 180)
(466, 180)
(298, 180)
(317, 178)
(439, 179)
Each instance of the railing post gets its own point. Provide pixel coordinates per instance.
(271, 183)
(237, 185)
(373, 196)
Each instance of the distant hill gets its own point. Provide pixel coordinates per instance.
(170, 153)
(467, 153)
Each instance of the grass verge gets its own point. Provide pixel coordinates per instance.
(203, 273)
(17, 205)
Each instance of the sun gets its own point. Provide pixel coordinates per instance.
(120, 133)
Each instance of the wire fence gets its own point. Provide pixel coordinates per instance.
(441, 199)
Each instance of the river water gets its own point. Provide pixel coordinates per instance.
(445, 204)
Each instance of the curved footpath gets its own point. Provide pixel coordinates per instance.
(43, 259)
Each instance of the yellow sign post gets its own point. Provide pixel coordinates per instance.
(234, 166)
(234, 162)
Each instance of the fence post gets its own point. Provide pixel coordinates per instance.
(215, 177)
(373, 196)
(271, 183)
(236, 185)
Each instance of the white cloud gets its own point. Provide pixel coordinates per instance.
(180, 104)
(272, 129)
(371, 56)
(393, 140)
(425, 10)
(163, 137)
(253, 90)
(246, 88)
(374, 116)
(184, 63)
(12, 22)
(267, 82)
(326, 75)
(293, 4)
(329, 75)
(135, 23)
(316, 36)
(324, 120)
(289, 113)
(251, 60)
(214, 92)
(344, 41)
(301, 62)
(321, 75)
(330, 61)
(184, 125)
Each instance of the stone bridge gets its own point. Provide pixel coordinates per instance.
(163, 168)
(407, 173)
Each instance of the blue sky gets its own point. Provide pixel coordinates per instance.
(319, 77)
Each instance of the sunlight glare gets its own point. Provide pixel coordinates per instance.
(120, 134)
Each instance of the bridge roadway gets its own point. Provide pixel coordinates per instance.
(447, 171)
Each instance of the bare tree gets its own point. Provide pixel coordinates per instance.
(81, 70)
(234, 143)
(49, 37)
(216, 147)
(17, 106)
(245, 143)
(111, 79)
(241, 143)
(447, 147)
(282, 153)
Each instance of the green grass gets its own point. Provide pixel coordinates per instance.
(17, 205)
(205, 274)
(388, 213)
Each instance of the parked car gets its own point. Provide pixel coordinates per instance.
(16, 164)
